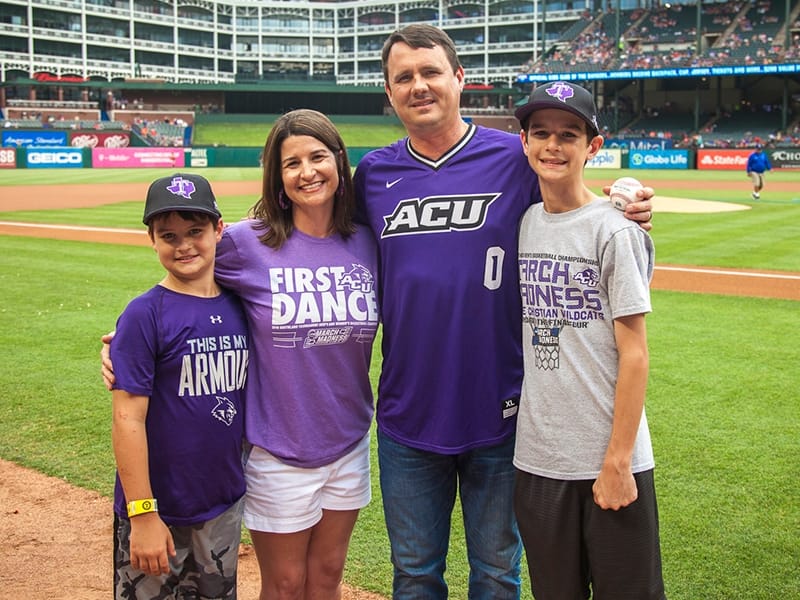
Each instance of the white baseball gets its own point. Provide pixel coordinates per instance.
(623, 191)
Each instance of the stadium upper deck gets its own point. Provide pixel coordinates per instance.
(235, 41)
(243, 44)
(229, 41)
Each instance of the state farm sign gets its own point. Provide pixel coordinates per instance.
(732, 160)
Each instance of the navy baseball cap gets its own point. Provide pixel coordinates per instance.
(563, 96)
(181, 191)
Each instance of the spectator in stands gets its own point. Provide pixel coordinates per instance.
(757, 164)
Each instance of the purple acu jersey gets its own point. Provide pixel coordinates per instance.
(450, 302)
(189, 355)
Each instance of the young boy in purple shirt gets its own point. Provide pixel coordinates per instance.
(180, 358)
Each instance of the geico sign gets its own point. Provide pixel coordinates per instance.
(55, 158)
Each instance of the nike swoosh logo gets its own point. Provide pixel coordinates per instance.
(392, 183)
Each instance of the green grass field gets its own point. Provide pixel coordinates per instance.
(723, 400)
(255, 134)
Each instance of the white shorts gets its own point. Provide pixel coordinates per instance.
(281, 498)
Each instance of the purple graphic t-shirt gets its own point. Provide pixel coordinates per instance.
(313, 313)
(189, 355)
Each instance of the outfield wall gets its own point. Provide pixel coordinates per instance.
(627, 154)
(66, 157)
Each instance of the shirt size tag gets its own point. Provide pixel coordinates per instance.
(510, 406)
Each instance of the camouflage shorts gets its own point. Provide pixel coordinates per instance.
(204, 567)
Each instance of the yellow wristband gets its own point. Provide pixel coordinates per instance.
(139, 507)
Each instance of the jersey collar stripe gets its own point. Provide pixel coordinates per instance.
(435, 164)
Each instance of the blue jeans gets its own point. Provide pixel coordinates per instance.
(419, 491)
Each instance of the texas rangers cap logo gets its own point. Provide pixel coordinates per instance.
(182, 187)
(560, 91)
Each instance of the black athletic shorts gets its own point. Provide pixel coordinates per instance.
(576, 550)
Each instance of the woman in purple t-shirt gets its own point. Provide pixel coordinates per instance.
(307, 279)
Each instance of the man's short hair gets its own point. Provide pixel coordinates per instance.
(420, 35)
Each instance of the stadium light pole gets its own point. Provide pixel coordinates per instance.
(699, 34)
(785, 111)
(619, 53)
(544, 28)
(786, 38)
(535, 25)
(697, 51)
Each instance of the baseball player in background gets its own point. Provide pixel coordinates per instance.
(757, 164)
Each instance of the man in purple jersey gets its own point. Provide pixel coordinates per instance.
(444, 204)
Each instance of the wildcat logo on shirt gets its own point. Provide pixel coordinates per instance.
(438, 213)
(328, 295)
(224, 411)
(553, 292)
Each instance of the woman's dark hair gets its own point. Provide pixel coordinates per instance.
(276, 220)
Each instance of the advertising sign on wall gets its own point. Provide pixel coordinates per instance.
(607, 158)
(638, 143)
(784, 158)
(199, 157)
(115, 158)
(658, 159)
(8, 158)
(100, 139)
(38, 139)
(717, 159)
(54, 158)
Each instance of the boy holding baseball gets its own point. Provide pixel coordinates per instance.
(180, 358)
(584, 494)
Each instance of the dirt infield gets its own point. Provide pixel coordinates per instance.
(55, 540)
(47, 197)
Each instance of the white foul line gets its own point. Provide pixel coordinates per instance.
(70, 227)
(733, 273)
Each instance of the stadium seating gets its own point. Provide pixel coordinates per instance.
(731, 33)
(749, 123)
(493, 40)
(673, 24)
(161, 133)
(22, 124)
